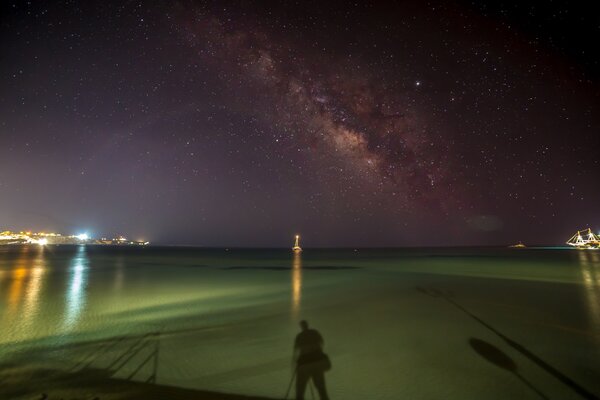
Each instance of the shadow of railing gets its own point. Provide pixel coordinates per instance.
(108, 366)
(96, 353)
(125, 358)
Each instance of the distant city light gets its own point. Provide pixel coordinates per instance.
(41, 242)
(51, 238)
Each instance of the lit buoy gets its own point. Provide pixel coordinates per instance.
(297, 247)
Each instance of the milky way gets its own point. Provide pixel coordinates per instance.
(336, 108)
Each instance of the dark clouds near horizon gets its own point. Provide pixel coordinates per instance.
(242, 123)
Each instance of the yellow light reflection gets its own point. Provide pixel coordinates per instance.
(18, 277)
(296, 284)
(32, 292)
(590, 270)
(25, 280)
(76, 290)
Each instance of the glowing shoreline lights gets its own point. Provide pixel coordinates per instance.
(43, 239)
(83, 236)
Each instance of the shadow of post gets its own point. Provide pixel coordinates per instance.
(497, 357)
(517, 346)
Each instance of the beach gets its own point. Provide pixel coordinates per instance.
(458, 323)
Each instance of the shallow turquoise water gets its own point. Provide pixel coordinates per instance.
(397, 323)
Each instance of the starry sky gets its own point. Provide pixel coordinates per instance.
(241, 123)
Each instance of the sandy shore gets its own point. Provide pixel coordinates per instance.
(31, 383)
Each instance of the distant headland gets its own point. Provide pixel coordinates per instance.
(51, 238)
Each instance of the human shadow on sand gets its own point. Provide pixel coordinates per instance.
(447, 296)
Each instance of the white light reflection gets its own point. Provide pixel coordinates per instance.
(76, 290)
(296, 284)
(590, 270)
(120, 265)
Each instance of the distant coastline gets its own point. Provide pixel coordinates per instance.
(9, 238)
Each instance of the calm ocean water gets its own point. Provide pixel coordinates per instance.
(462, 323)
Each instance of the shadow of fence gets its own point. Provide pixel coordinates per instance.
(114, 368)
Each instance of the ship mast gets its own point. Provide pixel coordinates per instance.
(584, 239)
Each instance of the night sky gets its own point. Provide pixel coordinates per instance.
(355, 124)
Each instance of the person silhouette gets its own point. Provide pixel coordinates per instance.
(311, 362)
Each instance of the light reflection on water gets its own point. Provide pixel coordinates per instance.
(119, 275)
(590, 270)
(296, 284)
(23, 294)
(76, 296)
(37, 300)
(19, 274)
(34, 287)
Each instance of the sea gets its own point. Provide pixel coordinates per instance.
(408, 323)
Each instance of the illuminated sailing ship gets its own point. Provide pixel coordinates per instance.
(585, 239)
